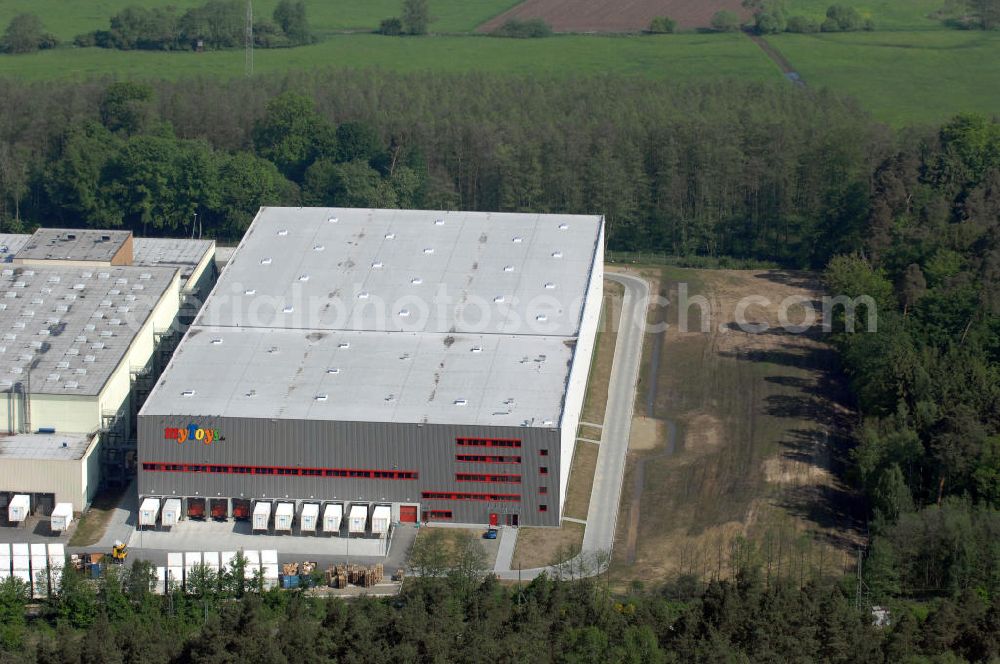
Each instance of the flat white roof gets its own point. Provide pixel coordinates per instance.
(492, 273)
(306, 321)
(366, 376)
(45, 446)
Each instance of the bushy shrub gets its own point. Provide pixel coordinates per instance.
(662, 25)
(524, 29)
(770, 22)
(802, 24)
(391, 26)
(847, 19)
(724, 21)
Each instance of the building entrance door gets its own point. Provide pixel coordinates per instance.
(493, 519)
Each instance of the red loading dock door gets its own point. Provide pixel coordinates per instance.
(493, 518)
(407, 513)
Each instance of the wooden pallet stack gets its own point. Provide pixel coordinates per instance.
(341, 576)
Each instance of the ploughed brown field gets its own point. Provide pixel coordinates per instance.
(614, 15)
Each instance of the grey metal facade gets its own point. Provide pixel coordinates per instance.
(429, 450)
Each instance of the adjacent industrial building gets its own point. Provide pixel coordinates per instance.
(357, 367)
(86, 321)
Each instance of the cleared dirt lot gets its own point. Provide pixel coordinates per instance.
(538, 547)
(616, 16)
(738, 436)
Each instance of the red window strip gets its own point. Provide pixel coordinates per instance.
(477, 477)
(488, 442)
(437, 515)
(543, 490)
(544, 470)
(543, 508)
(284, 471)
(489, 497)
(487, 458)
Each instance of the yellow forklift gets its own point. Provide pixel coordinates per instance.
(119, 552)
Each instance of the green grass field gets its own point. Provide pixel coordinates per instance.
(886, 14)
(903, 77)
(675, 57)
(68, 18)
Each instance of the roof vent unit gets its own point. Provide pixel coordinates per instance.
(541, 318)
(333, 370)
(318, 247)
(188, 393)
(333, 220)
(498, 299)
(288, 309)
(556, 254)
(72, 385)
(216, 341)
(439, 222)
(390, 236)
(518, 239)
(283, 232)
(89, 358)
(303, 277)
(344, 344)
(416, 281)
(461, 402)
(321, 397)
(250, 291)
(265, 261)
(508, 268)
(477, 349)
(390, 397)
(429, 250)
(145, 276)
(377, 265)
(363, 295)
(404, 312)
(550, 285)
(563, 227)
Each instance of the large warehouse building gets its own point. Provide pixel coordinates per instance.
(431, 362)
(83, 318)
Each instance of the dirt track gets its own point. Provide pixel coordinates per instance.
(614, 15)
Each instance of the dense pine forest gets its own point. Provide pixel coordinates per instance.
(771, 173)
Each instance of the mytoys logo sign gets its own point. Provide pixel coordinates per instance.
(193, 432)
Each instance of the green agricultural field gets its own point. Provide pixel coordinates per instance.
(68, 18)
(886, 14)
(675, 57)
(903, 77)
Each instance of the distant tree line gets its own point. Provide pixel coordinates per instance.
(218, 24)
(728, 168)
(772, 16)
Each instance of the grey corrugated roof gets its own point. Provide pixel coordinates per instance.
(330, 267)
(71, 326)
(10, 244)
(48, 447)
(73, 244)
(170, 252)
